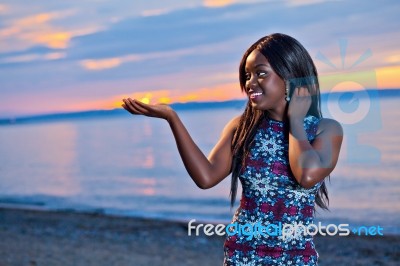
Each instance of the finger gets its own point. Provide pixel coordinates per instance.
(138, 110)
(137, 106)
(304, 91)
(127, 108)
(142, 104)
(301, 91)
(126, 105)
(132, 108)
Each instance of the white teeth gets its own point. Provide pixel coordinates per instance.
(255, 94)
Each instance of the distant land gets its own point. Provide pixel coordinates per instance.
(236, 104)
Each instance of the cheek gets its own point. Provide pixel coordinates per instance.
(274, 88)
(280, 86)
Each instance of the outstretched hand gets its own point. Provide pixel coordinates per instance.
(299, 104)
(136, 107)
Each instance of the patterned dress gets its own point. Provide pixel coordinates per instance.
(273, 199)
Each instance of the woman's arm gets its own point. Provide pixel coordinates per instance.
(205, 172)
(310, 164)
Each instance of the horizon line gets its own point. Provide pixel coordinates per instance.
(11, 118)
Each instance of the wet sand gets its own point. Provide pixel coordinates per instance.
(30, 237)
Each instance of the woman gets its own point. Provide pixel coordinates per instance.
(280, 148)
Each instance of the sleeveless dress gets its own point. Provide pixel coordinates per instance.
(271, 199)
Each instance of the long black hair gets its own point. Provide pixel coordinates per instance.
(292, 63)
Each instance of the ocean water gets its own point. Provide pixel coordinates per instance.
(129, 165)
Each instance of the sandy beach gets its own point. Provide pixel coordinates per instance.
(31, 237)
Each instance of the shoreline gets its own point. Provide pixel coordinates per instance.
(36, 237)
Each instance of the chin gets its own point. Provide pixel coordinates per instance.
(260, 107)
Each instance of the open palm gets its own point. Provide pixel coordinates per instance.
(136, 107)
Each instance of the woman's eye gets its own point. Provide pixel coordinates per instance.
(247, 76)
(262, 74)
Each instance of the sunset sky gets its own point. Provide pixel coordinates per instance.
(58, 56)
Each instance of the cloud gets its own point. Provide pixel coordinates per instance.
(223, 3)
(181, 39)
(38, 29)
(170, 31)
(32, 57)
(110, 48)
(107, 63)
(4, 9)
(217, 3)
(295, 3)
(154, 12)
(101, 64)
(142, 45)
(388, 77)
(220, 92)
(393, 59)
(40, 19)
(181, 29)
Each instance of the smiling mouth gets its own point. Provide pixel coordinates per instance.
(255, 94)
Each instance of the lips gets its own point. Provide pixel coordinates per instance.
(255, 94)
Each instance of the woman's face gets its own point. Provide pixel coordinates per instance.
(266, 90)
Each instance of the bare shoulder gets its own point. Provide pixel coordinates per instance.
(232, 125)
(330, 126)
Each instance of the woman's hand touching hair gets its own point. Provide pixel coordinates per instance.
(299, 104)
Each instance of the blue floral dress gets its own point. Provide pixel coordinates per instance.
(272, 200)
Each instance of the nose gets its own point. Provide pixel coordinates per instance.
(251, 85)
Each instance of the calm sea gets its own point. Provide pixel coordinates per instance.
(130, 166)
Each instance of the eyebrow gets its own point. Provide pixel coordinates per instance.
(262, 65)
(258, 65)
